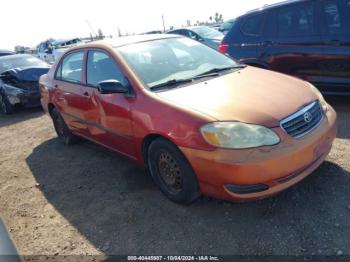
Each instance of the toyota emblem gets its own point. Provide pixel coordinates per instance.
(307, 117)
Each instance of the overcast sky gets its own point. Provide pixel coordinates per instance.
(28, 22)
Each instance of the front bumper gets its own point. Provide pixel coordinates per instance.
(26, 98)
(277, 167)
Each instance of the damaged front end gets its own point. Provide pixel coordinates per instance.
(20, 86)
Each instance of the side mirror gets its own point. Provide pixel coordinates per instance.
(112, 87)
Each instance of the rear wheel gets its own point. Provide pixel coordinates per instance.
(62, 130)
(5, 105)
(172, 173)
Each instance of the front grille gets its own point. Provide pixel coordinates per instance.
(303, 121)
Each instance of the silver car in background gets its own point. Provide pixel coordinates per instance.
(204, 34)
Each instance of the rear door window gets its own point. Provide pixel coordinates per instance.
(296, 20)
(253, 25)
(337, 16)
(71, 67)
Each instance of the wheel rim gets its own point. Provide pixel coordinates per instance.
(170, 172)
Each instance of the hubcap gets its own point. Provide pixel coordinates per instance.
(170, 172)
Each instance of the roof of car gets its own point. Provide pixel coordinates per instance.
(60, 41)
(127, 40)
(4, 51)
(271, 6)
(15, 56)
(196, 26)
(188, 28)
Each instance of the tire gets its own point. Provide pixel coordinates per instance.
(171, 172)
(5, 105)
(62, 130)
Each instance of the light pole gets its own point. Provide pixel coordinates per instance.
(163, 23)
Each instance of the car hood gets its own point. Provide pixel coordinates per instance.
(25, 78)
(26, 73)
(250, 95)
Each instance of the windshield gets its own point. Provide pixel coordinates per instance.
(15, 61)
(207, 32)
(159, 61)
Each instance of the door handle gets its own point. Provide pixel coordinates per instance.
(86, 94)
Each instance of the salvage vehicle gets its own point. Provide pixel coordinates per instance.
(51, 50)
(204, 34)
(309, 39)
(4, 52)
(19, 81)
(200, 122)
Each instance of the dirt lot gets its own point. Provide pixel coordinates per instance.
(87, 200)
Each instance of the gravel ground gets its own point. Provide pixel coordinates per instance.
(83, 199)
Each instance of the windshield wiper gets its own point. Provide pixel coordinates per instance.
(215, 71)
(170, 83)
(209, 73)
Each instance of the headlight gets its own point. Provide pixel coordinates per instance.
(320, 97)
(236, 135)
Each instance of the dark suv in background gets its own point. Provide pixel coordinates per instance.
(304, 38)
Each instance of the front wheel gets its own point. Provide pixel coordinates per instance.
(172, 173)
(62, 130)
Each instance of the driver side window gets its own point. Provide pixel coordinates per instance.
(101, 67)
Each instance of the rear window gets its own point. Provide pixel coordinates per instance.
(296, 20)
(253, 25)
(337, 16)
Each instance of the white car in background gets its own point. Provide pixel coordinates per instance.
(51, 50)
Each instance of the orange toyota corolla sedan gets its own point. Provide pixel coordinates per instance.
(200, 122)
